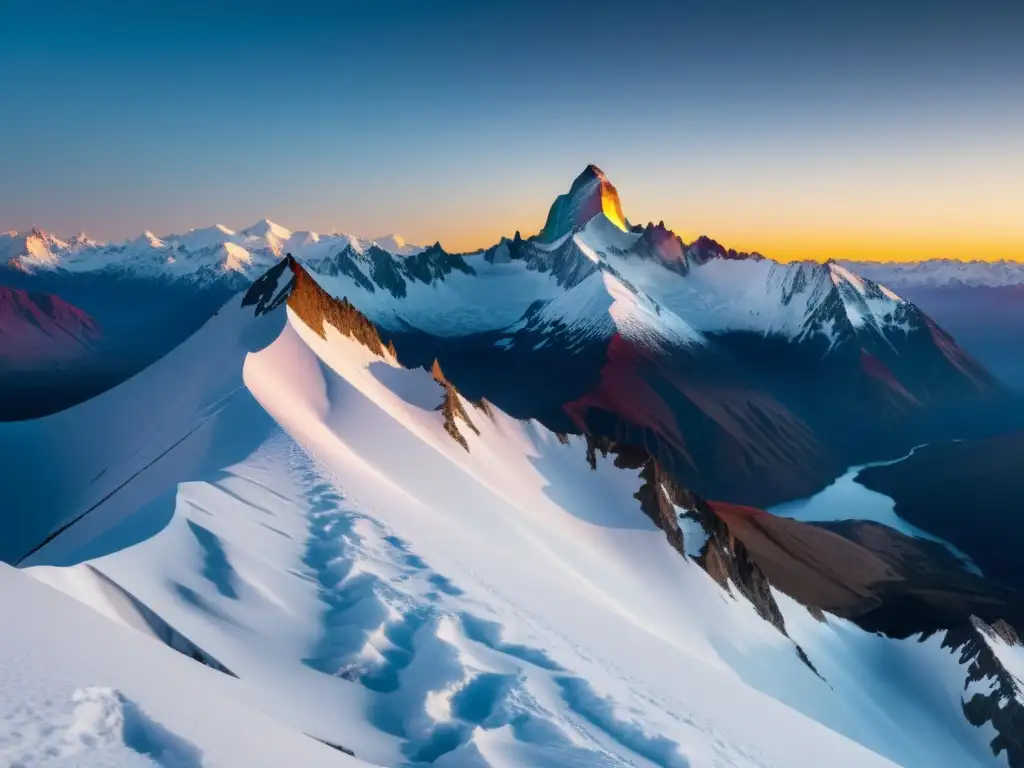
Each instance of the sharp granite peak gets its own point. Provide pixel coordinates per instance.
(590, 194)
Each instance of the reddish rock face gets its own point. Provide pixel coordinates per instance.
(39, 329)
(708, 431)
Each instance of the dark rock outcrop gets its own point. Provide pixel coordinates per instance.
(451, 408)
(1000, 703)
(376, 268)
(722, 555)
(316, 308)
(266, 294)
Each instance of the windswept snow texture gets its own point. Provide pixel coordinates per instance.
(296, 511)
(78, 690)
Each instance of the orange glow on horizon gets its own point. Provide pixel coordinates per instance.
(865, 245)
(784, 230)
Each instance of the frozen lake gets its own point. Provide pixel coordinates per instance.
(846, 499)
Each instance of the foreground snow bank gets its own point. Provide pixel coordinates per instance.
(78, 690)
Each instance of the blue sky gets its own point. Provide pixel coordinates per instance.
(799, 128)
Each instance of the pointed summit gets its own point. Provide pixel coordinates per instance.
(397, 244)
(590, 194)
(267, 228)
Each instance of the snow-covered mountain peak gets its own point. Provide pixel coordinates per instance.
(841, 275)
(30, 250)
(397, 244)
(82, 240)
(204, 237)
(147, 240)
(591, 194)
(602, 305)
(265, 228)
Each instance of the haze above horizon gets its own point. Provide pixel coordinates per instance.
(798, 131)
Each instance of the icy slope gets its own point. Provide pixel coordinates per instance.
(78, 690)
(603, 305)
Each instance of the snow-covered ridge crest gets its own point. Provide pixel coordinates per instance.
(602, 305)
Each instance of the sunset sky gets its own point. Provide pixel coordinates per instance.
(798, 129)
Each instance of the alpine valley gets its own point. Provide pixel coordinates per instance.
(590, 497)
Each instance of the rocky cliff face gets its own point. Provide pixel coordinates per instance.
(992, 695)
(318, 308)
(590, 194)
(452, 409)
(901, 587)
(706, 538)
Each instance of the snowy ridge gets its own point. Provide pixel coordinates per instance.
(603, 305)
(32, 250)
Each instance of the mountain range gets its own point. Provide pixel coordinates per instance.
(372, 503)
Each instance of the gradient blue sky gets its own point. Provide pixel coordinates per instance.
(796, 128)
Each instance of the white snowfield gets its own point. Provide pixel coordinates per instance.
(78, 690)
(291, 509)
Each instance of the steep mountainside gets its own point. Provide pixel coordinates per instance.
(761, 379)
(41, 330)
(980, 303)
(401, 571)
(45, 348)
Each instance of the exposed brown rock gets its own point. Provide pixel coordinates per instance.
(438, 374)
(484, 405)
(316, 307)
(451, 408)
(724, 557)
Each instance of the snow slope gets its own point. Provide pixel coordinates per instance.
(78, 690)
(602, 305)
(295, 512)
